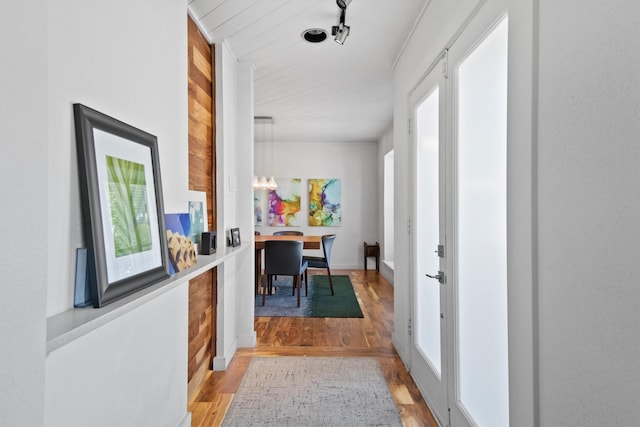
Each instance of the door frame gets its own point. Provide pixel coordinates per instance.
(418, 95)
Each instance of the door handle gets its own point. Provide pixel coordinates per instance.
(439, 277)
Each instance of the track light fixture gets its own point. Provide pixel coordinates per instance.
(341, 31)
(342, 4)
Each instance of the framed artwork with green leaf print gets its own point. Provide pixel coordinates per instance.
(122, 206)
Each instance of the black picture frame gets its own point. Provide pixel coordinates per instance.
(235, 237)
(122, 204)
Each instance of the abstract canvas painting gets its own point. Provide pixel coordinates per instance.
(325, 202)
(284, 203)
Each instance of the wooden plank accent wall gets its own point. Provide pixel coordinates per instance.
(202, 161)
(201, 119)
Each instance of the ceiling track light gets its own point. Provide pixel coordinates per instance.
(342, 4)
(341, 31)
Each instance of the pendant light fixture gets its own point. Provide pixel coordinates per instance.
(263, 132)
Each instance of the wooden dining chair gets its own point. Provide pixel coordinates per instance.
(283, 258)
(323, 261)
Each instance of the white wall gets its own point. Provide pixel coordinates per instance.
(234, 144)
(24, 150)
(130, 372)
(356, 164)
(574, 204)
(244, 219)
(128, 60)
(226, 172)
(588, 212)
(129, 64)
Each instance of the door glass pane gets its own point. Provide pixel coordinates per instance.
(427, 231)
(482, 273)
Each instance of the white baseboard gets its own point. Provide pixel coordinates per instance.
(406, 361)
(387, 272)
(186, 421)
(346, 267)
(402, 352)
(246, 341)
(220, 363)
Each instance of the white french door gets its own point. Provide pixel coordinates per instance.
(429, 358)
(479, 390)
(459, 318)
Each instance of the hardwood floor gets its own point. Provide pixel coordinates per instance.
(280, 336)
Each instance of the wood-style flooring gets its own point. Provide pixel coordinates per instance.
(280, 336)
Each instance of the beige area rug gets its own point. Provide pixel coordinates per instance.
(313, 392)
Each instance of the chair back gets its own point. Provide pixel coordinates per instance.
(327, 244)
(282, 257)
(288, 233)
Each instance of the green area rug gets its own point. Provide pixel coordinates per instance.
(313, 391)
(319, 303)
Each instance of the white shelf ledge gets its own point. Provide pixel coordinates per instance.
(70, 325)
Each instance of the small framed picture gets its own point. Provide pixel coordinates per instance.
(235, 237)
(197, 216)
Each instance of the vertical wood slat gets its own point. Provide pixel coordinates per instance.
(202, 289)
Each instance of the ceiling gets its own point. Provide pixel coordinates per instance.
(321, 92)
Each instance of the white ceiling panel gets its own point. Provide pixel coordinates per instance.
(315, 92)
(200, 8)
(246, 19)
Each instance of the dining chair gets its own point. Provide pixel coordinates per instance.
(288, 233)
(324, 261)
(283, 258)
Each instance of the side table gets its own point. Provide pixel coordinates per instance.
(372, 251)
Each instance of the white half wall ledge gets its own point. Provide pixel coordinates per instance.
(70, 325)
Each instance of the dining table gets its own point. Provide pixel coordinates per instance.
(308, 242)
